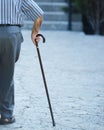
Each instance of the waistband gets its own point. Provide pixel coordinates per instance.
(10, 29)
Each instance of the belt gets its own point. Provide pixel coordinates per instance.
(10, 25)
(10, 28)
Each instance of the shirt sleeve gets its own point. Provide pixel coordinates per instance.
(31, 9)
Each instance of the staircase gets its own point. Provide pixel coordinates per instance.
(54, 18)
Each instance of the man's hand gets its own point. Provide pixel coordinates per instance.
(35, 39)
(35, 30)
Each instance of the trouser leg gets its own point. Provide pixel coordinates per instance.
(9, 52)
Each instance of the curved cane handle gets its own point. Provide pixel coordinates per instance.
(40, 35)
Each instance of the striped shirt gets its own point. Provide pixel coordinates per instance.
(11, 11)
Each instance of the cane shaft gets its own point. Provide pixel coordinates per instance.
(45, 84)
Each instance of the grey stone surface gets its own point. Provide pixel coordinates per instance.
(74, 68)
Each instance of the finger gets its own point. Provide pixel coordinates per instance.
(37, 39)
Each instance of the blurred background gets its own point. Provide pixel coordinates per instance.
(75, 15)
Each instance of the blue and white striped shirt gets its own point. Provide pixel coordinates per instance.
(11, 11)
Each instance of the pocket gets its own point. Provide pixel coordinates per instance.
(19, 41)
(20, 37)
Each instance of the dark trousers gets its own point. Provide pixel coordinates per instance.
(10, 44)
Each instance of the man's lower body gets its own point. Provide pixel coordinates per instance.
(10, 44)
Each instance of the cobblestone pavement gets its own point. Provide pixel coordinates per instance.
(74, 68)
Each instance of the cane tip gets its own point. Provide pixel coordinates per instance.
(54, 124)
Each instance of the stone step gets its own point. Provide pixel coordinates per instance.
(76, 26)
(54, 16)
(48, 6)
(50, 1)
(55, 25)
(48, 25)
(57, 16)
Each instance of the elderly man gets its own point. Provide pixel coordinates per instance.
(11, 20)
